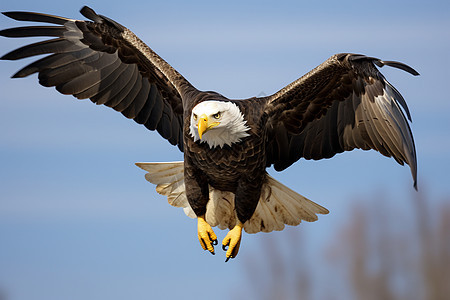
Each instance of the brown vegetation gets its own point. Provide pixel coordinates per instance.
(383, 252)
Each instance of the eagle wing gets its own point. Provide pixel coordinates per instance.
(105, 62)
(343, 104)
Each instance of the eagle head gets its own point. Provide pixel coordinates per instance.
(217, 123)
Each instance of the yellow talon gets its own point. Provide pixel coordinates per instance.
(233, 241)
(206, 235)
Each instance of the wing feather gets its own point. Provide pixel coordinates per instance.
(343, 104)
(123, 92)
(156, 112)
(121, 79)
(106, 77)
(105, 62)
(31, 31)
(36, 17)
(58, 45)
(130, 97)
(90, 78)
(136, 108)
(53, 61)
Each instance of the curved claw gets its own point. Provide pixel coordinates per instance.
(232, 241)
(225, 248)
(206, 235)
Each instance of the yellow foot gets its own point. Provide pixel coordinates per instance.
(206, 235)
(232, 240)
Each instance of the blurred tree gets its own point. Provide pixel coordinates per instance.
(280, 272)
(434, 233)
(383, 252)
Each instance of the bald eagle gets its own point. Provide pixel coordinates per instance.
(343, 104)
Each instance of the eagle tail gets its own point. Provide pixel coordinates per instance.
(278, 205)
(169, 180)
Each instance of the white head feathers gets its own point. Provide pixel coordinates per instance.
(226, 124)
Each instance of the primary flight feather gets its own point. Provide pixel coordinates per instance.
(343, 104)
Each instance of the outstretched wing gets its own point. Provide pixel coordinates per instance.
(343, 104)
(105, 62)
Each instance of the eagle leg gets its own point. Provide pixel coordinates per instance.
(233, 240)
(206, 235)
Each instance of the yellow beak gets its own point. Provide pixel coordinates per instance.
(204, 125)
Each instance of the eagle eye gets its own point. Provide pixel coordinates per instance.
(195, 117)
(217, 115)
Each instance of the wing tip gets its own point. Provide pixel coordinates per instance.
(35, 17)
(323, 211)
(89, 13)
(17, 75)
(7, 56)
(93, 16)
(380, 63)
(10, 14)
(415, 179)
(401, 66)
(6, 32)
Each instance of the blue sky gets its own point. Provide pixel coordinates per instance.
(77, 218)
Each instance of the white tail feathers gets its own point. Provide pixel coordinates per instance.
(278, 205)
